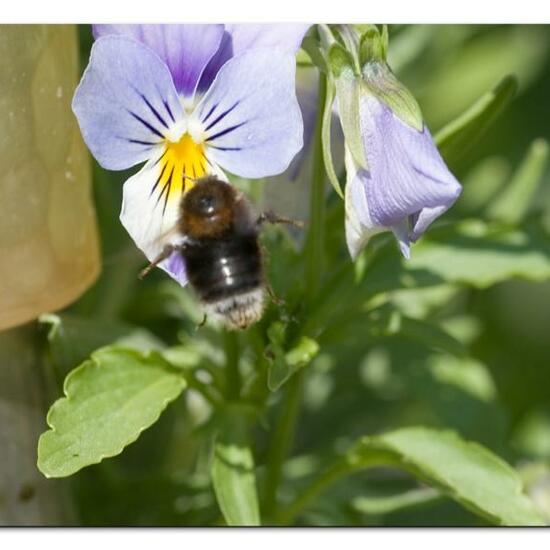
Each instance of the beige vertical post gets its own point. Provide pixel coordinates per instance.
(49, 252)
(48, 237)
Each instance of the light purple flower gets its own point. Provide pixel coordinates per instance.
(187, 100)
(405, 184)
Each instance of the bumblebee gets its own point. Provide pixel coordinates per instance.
(218, 234)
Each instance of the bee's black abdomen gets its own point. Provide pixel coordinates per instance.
(224, 267)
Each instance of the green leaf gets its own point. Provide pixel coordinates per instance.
(284, 364)
(512, 204)
(408, 45)
(418, 303)
(302, 353)
(468, 375)
(387, 321)
(483, 183)
(110, 399)
(471, 253)
(386, 504)
(481, 255)
(469, 62)
(464, 471)
(233, 471)
(456, 138)
(532, 434)
(73, 338)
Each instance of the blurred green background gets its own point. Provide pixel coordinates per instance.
(498, 393)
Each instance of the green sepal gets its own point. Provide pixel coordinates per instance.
(348, 88)
(303, 59)
(373, 45)
(340, 61)
(326, 137)
(380, 81)
(310, 45)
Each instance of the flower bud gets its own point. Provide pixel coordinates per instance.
(396, 178)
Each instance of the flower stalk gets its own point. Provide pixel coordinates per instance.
(315, 238)
(338, 470)
(233, 374)
(283, 437)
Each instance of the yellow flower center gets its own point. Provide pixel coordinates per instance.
(181, 158)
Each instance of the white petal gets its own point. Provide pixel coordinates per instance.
(151, 220)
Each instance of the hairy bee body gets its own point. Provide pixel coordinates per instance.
(222, 255)
(227, 275)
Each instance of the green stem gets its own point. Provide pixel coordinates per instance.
(281, 442)
(283, 437)
(315, 240)
(233, 374)
(320, 484)
(205, 390)
(346, 465)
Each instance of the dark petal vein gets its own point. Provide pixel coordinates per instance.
(141, 142)
(224, 148)
(154, 111)
(158, 179)
(225, 131)
(169, 110)
(212, 109)
(149, 126)
(220, 117)
(160, 158)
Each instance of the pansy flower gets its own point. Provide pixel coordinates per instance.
(405, 186)
(396, 178)
(187, 100)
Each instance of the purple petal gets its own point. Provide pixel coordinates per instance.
(125, 102)
(175, 267)
(401, 232)
(421, 220)
(283, 36)
(408, 179)
(239, 38)
(186, 49)
(252, 119)
(359, 226)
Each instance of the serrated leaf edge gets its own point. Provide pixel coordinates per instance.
(67, 397)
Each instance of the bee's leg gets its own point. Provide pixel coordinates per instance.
(274, 298)
(271, 217)
(279, 302)
(166, 252)
(202, 323)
